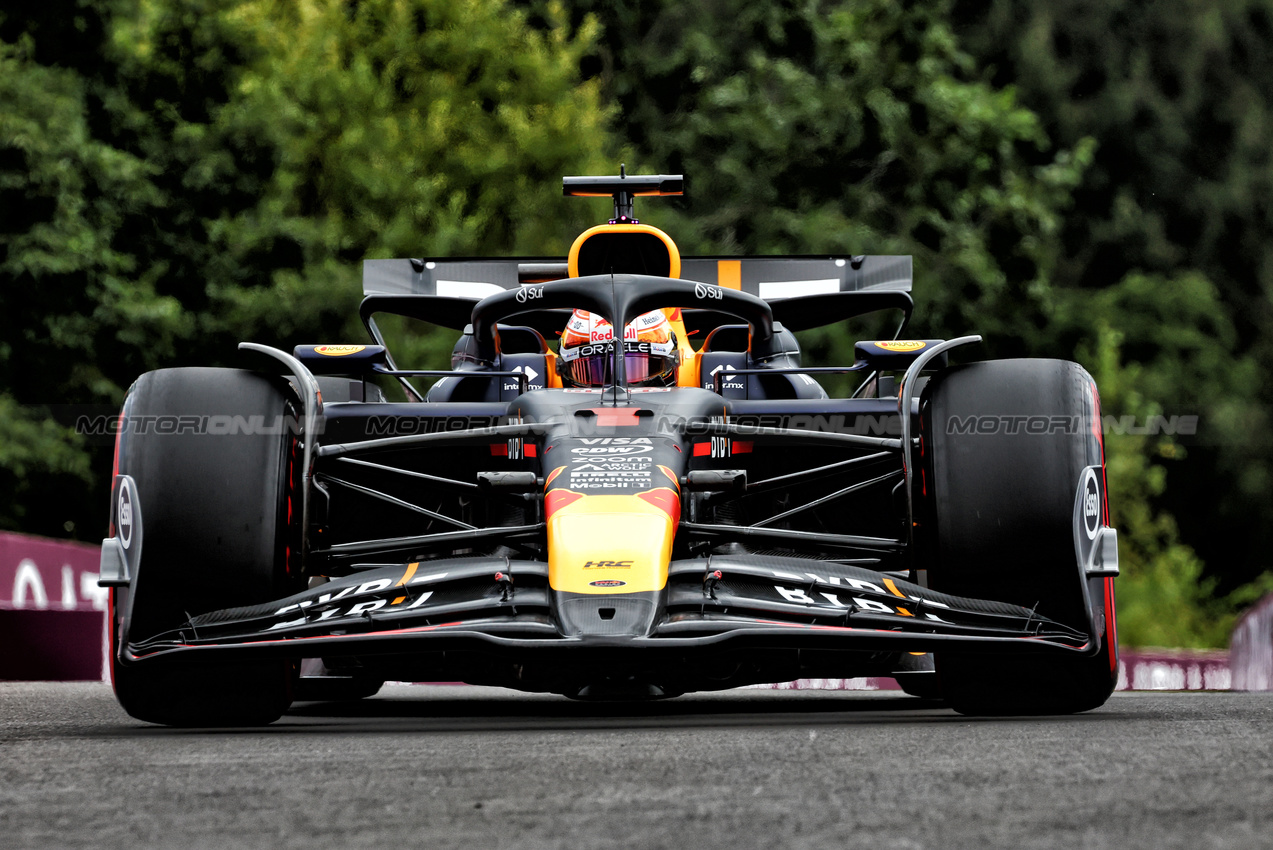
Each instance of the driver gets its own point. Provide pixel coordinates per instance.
(650, 353)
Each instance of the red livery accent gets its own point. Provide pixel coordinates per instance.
(1111, 623)
(671, 477)
(616, 417)
(665, 499)
(555, 500)
(1100, 438)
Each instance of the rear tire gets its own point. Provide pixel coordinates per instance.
(214, 509)
(1002, 502)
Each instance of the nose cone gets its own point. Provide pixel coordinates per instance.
(612, 505)
(608, 558)
(611, 544)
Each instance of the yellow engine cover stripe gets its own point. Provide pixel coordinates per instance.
(729, 273)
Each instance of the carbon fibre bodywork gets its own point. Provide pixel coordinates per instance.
(620, 541)
(729, 548)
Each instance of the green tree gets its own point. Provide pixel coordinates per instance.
(179, 175)
(1178, 95)
(864, 127)
(62, 194)
(1170, 334)
(403, 129)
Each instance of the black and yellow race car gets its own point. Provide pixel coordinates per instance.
(614, 515)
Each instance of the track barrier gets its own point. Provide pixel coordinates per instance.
(1251, 648)
(52, 613)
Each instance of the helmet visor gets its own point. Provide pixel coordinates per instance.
(648, 368)
(640, 367)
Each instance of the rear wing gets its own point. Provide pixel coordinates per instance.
(770, 278)
(805, 292)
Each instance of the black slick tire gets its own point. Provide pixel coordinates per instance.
(999, 525)
(214, 510)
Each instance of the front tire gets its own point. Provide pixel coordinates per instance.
(215, 513)
(1002, 503)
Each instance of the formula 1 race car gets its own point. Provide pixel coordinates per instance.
(628, 516)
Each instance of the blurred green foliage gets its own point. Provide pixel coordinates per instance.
(811, 128)
(180, 175)
(1165, 600)
(1179, 97)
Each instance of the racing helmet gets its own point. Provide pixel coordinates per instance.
(650, 353)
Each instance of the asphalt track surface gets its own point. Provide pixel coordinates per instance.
(447, 766)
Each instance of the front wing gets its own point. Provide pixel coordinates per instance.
(722, 603)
